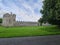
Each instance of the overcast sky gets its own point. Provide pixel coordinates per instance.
(25, 10)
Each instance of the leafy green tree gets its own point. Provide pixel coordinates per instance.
(41, 21)
(51, 11)
(0, 20)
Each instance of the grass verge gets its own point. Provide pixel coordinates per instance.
(28, 31)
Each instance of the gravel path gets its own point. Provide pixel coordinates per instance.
(38, 40)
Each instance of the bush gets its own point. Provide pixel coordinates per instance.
(0, 20)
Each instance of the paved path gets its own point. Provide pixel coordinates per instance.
(38, 40)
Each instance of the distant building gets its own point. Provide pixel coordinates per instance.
(10, 20)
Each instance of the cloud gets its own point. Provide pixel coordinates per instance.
(25, 10)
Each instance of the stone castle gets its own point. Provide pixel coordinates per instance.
(10, 20)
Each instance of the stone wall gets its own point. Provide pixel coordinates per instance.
(18, 23)
(46, 24)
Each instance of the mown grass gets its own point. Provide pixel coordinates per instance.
(28, 31)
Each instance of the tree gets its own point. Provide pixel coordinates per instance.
(51, 11)
(0, 20)
(41, 21)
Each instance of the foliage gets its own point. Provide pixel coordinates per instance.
(41, 21)
(0, 20)
(51, 11)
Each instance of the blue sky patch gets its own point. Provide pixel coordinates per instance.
(27, 10)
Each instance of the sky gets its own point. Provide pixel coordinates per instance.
(25, 10)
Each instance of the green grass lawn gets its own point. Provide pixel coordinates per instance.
(28, 31)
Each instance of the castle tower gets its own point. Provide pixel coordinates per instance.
(9, 19)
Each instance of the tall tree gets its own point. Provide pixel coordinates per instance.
(0, 20)
(51, 11)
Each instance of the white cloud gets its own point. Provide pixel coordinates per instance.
(23, 14)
